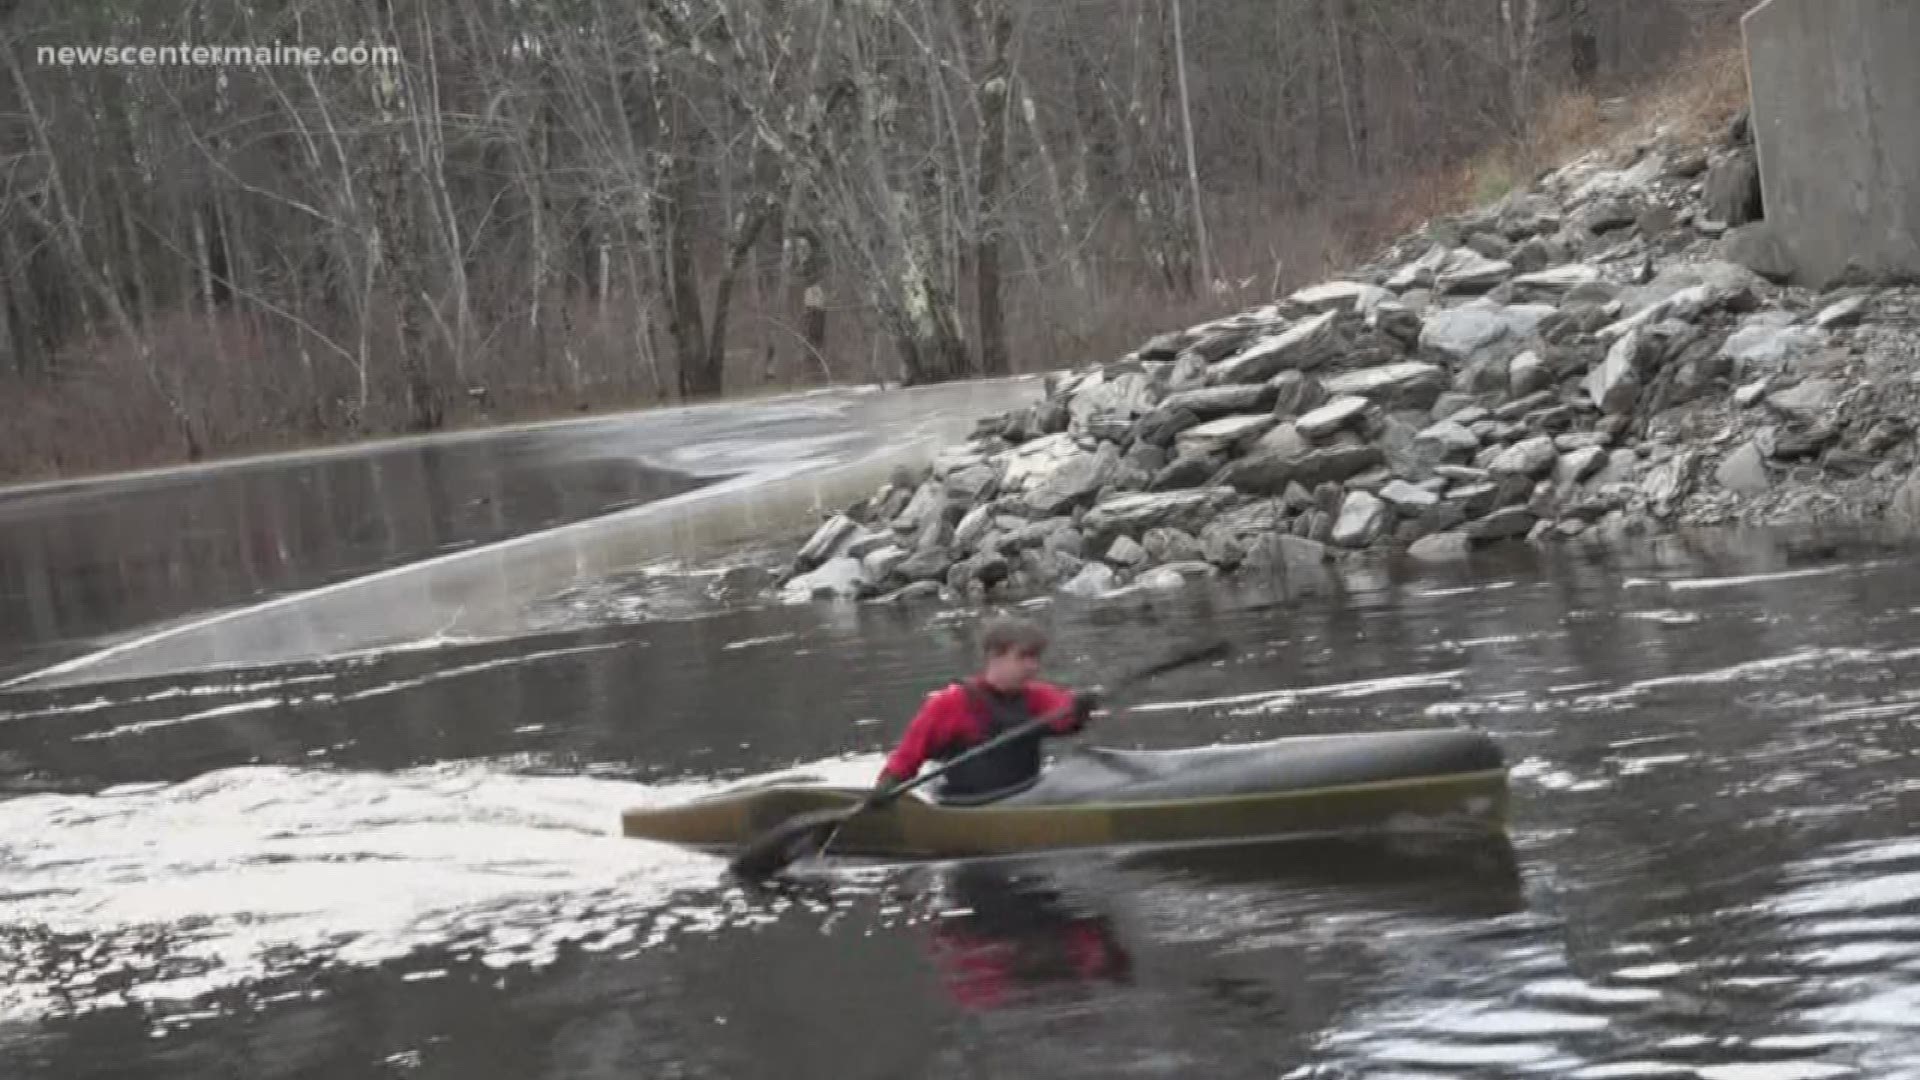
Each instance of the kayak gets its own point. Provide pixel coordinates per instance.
(1441, 780)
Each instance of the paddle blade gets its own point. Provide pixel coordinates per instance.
(786, 843)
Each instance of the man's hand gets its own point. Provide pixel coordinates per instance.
(1086, 702)
(883, 787)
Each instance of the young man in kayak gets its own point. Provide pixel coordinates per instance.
(1004, 694)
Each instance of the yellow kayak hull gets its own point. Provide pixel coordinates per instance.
(1404, 799)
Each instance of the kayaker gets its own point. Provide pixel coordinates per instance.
(1003, 694)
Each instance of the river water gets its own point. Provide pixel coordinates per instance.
(406, 863)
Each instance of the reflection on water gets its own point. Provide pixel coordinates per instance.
(408, 863)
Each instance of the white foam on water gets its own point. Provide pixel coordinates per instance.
(1689, 584)
(225, 879)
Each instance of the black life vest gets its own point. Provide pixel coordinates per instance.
(1000, 771)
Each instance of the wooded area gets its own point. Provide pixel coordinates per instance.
(553, 204)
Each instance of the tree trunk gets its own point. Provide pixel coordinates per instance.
(994, 90)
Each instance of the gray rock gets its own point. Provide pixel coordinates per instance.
(1468, 271)
(1463, 332)
(838, 578)
(1094, 580)
(1744, 471)
(1160, 579)
(1396, 320)
(1810, 401)
(1284, 439)
(1074, 481)
(973, 483)
(1903, 510)
(1502, 524)
(919, 590)
(1422, 272)
(1464, 474)
(1363, 519)
(1146, 457)
(1331, 417)
(1190, 369)
(1225, 436)
(1295, 393)
(880, 564)
(1758, 247)
(1480, 328)
(1752, 392)
(1614, 385)
(1447, 405)
(1066, 541)
(1446, 441)
(1186, 471)
(1733, 190)
(973, 527)
(1213, 402)
(1410, 384)
(1165, 545)
(1289, 555)
(1135, 513)
(1528, 374)
(1490, 245)
(1556, 282)
(1533, 457)
(1763, 346)
(1299, 348)
(1475, 499)
(1127, 396)
(1525, 214)
(1579, 440)
(1163, 346)
(1514, 410)
(1609, 214)
(1408, 499)
(828, 541)
(1441, 547)
(1125, 551)
(1701, 284)
(1027, 464)
(1162, 426)
(1578, 464)
(1352, 296)
(926, 565)
(1842, 313)
(1335, 464)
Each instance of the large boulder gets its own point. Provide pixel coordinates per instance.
(1213, 402)
(1299, 348)
(1408, 385)
(1363, 519)
(1074, 481)
(1225, 436)
(1135, 513)
(1733, 190)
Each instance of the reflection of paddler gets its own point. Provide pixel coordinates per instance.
(1002, 936)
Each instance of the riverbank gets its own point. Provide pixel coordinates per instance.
(1605, 356)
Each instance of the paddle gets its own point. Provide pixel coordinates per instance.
(811, 832)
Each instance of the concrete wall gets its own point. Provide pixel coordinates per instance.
(1836, 118)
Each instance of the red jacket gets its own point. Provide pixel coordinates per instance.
(950, 721)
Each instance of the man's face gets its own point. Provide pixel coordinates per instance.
(1012, 670)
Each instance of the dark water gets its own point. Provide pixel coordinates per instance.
(406, 865)
(87, 560)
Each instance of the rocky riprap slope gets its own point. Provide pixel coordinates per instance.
(1597, 358)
